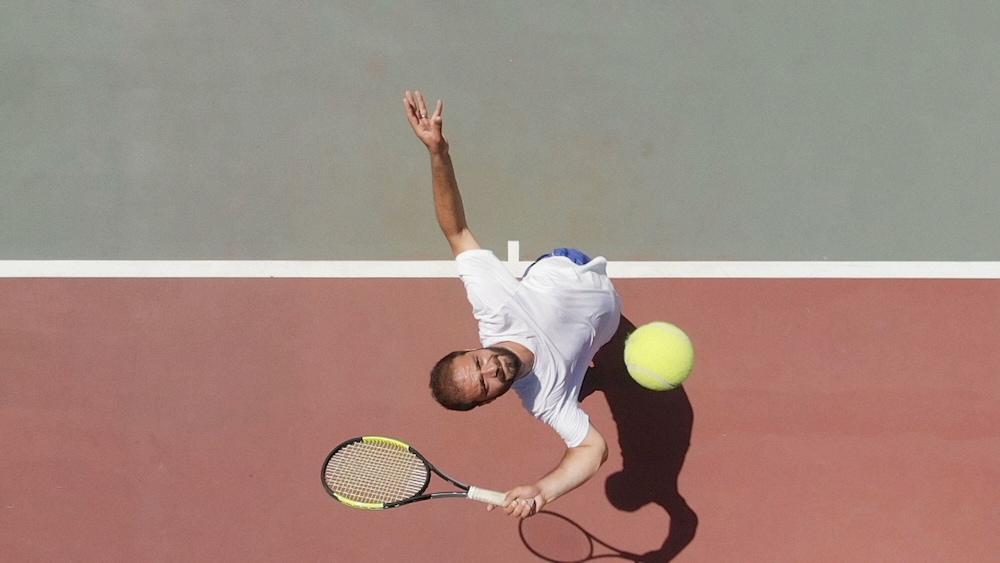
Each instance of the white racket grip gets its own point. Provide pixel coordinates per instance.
(487, 496)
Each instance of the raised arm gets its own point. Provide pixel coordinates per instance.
(447, 198)
(577, 465)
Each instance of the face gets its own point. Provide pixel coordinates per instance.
(487, 373)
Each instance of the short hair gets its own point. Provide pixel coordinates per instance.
(444, 388)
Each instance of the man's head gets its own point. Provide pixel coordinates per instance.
(465, 379)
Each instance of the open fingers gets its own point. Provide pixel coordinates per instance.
(415, 103)
(421, 104)
(416, 108)
(411, 110)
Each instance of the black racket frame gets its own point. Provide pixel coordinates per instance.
(420, 495)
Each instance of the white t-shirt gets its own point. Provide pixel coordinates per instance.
(560, 311)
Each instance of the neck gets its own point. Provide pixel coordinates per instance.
(523, 353)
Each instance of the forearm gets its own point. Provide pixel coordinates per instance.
(576, 467)
(447, 199)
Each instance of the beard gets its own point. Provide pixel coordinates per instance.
(510, 362)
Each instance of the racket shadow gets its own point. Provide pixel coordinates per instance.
(556, 538)
(654, 433)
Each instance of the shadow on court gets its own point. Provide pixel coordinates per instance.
(555, 538)
(654, 433)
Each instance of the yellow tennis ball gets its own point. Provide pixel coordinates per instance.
(659, 356)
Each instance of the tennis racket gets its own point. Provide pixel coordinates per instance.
(375, 473)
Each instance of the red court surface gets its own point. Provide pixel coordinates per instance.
(187, 420)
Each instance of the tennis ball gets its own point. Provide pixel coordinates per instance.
(659, 356)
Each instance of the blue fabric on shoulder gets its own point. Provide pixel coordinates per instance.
(574, 254)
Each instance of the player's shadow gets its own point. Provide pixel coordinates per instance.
(654, 433)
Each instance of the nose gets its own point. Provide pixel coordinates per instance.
(493, 368)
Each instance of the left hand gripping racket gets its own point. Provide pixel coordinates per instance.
(375, 473)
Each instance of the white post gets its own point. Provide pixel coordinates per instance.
(513, 252)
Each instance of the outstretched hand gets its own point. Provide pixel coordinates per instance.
(427, 127)
(523, 501)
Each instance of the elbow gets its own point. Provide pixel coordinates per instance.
(598, 445)
(593, 451)
(600, 453)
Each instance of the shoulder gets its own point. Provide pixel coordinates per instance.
(475, 255)
(480, 262)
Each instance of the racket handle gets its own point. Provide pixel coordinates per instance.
(487, 496)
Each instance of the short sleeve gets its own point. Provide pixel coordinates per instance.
(572, 424)
(488, 283)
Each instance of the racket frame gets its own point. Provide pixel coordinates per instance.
(419, 496)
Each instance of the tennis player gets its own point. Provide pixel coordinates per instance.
(539, 334)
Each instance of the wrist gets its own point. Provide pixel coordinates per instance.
(440, 150)
(547, 492)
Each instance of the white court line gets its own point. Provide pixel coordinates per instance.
(446, 269)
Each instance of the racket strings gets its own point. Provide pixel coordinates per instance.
(375, 472)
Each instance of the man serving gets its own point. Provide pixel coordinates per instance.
(539, 334)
